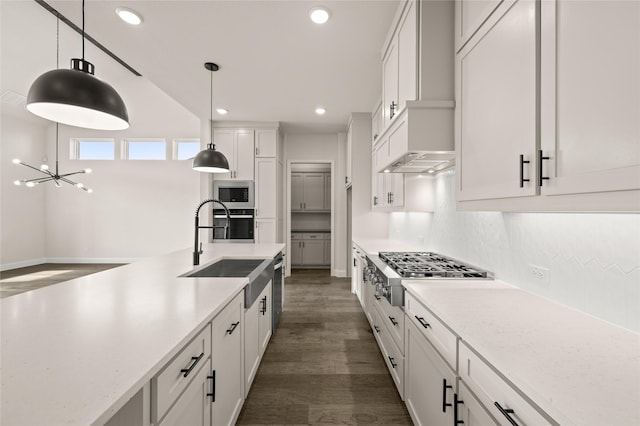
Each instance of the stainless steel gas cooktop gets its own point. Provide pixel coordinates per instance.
(429, 265)
(387, 270)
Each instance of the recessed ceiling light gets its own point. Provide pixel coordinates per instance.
(320, 110)
(319, 14)
(222, 111)
(129, 16)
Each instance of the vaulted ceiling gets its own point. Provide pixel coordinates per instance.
(275, 64)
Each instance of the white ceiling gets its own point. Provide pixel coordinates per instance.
(275, 64)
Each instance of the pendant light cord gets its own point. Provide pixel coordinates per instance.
(211, 110)
(57, 67)
(58, 43)
(83, 30)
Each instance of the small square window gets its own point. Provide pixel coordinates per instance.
(144, 149)
(185, 149)
(92, 149)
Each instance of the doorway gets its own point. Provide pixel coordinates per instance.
(310, 215)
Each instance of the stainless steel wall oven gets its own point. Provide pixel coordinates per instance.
(241, 225)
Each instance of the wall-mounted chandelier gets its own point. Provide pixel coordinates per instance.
(54, 177)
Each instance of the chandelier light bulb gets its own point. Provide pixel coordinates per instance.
(79, 185)
(17, 182)
(44, 167)
(89, 190)
(16, 161)
(30, 184)
(57, 183)
(88, 170)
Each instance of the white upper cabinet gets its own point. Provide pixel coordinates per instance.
(470, 14)
(265, 187)
(496, 114)
(238, 147)
(548, 115)
(590, 96)
(266, 143)
(418, 86)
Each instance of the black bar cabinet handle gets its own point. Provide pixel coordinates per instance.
(231, 329)
(541, 158)
(376, 328)
(522, 163)
(445, 404)
(377, 297)
(507, 413)
(213, 386)
(196, 360)
(422, 322)
(392, 361)
(456, 402)
(264, 305)
(393, 320)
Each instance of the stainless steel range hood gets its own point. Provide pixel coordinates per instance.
(423, 162)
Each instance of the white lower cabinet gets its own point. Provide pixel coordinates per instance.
(206, 382)
(469, 410)
(392, 354)
(228, 367)
(177, 377)
(429, 381)
(257, 332)
(500, 399)
(193, 408)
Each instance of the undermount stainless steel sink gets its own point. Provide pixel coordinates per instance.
(228, 268)
(259, 272)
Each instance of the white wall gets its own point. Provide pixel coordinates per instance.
(22, 226)
(311, 148)
(138, 209)
(593, 259)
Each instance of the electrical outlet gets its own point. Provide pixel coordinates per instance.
(539, 275)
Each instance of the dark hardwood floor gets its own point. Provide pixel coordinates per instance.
(323, 365)
(20, 280)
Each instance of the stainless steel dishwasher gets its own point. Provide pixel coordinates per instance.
(277, 288)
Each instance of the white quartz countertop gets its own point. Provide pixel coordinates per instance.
(375, 245)
(578, 369)
(76, 352)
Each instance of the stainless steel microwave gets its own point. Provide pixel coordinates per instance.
(235, 194)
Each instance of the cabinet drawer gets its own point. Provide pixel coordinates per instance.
(171, 381)
(313, 236)
(326, 235)
(392, 355)
(492, 391)
(296, 235)
(434, 330)
(393, 319)
(471, 411)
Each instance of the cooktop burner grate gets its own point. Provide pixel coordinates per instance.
(429, 265)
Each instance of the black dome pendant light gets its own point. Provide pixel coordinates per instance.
(77, 98)
(209, 160)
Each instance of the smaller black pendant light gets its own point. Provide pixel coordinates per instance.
(210, 160)
(77, 98)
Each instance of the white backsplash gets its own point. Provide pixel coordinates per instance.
(593, 259)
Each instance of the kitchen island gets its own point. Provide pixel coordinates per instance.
(75, 353)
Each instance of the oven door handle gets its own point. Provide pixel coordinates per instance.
(239, 216)
(277, 265)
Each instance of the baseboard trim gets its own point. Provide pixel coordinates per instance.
(340, 273)
(22, 264)
(40, 261)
